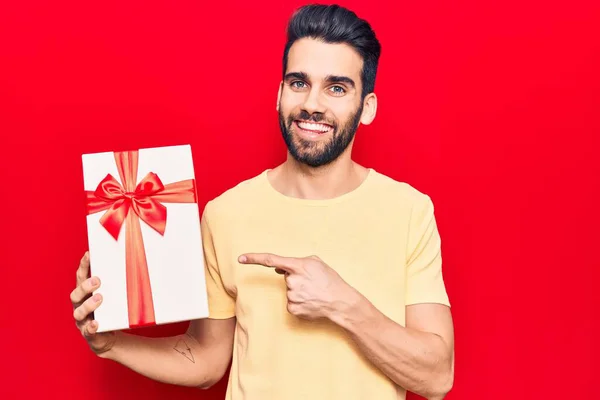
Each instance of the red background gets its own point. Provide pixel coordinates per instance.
(489, 107)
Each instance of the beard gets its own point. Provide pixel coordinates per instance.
(317, 154)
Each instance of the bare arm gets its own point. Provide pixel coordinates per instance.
(418, 357)
(198, 358)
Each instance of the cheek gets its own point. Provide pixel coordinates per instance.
(290, 102)
(343, 112)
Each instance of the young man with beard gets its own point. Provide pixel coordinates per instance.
(324, 277)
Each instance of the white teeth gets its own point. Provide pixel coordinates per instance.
(313, 127)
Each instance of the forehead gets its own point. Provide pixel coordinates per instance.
(319, 59)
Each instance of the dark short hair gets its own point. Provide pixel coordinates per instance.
(336, 24)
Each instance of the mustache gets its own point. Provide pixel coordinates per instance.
(315, 117)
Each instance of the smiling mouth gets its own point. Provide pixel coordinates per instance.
(313, 127)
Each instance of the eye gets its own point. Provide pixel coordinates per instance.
(298, 85)
(338, 90)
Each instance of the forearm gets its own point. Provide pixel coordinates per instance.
(415, 360)
(167, 359)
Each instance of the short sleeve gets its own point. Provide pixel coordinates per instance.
(425, 282)
(221, 304)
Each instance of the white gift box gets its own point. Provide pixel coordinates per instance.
(144, 237)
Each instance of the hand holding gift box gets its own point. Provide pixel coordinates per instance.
(144, 237)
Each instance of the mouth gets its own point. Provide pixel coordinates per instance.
(312, 129)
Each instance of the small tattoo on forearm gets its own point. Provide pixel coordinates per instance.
(182, 348)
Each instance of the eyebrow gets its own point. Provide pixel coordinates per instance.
(340, 79)
(329, 78)
(303, 76)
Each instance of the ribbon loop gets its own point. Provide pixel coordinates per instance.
(151, 212)
(109, 189)
(113, 219)
(151, 184)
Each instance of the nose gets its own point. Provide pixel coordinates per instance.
(313, 102)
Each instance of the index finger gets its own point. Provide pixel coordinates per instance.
(84, 268)
(288, 264)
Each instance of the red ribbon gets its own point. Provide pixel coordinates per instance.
(145, 202)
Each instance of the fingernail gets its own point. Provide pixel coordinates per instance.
(242, 259)
(96, 298)
(93, 281)
(93, 324)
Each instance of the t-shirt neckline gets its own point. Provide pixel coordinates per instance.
(317, 202)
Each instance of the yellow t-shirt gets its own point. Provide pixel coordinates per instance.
(381, 238)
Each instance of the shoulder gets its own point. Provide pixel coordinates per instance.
(237, 198)
(415, 206)
(399, 192)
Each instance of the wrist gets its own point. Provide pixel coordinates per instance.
(350, 309)
(111, 352)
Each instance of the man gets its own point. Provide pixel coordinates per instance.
(324, 277)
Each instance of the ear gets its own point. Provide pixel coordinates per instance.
(279, 95)
(369, 109)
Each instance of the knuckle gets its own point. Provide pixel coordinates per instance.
(83, 329)
(86, 330)
(74, 296)
(269, 261)
(77, 314)
(81, 276)
(292, 280)
(86, 286)
(80, 313)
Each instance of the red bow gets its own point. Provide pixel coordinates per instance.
(148, 209)
(145, 202)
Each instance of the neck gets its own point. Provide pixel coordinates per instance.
(298, 180)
